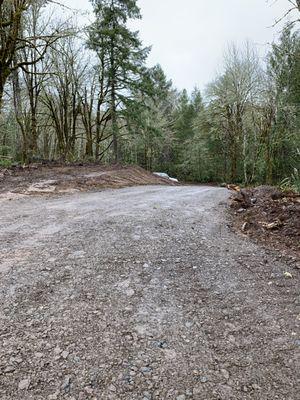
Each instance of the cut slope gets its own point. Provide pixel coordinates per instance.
(53, 179)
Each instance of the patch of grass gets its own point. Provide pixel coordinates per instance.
(292, 182)
(5, 162)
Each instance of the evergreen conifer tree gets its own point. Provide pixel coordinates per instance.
(123, 53)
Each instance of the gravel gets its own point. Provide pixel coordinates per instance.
(142, 293)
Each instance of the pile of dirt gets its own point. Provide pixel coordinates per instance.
(59, 178)
(269, 215)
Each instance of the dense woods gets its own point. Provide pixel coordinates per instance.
(87, 94)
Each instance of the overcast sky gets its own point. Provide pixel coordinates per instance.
(188, 37)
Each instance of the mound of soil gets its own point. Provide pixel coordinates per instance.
(269, 215)
(58, 178)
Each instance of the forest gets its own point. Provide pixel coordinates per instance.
(72, 93)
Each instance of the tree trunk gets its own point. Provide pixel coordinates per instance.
(114, 123)
(113, 108)
(34, 133)
(98, 129)
(1, 95)
(4, 74)
(269, 169)
(245, 166)
(234, 163)
(89, 144)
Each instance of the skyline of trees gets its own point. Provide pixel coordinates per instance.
(71, 97)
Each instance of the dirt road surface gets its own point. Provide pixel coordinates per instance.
(142, 293)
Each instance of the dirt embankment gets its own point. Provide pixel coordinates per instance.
(56, 178)
(269, 215)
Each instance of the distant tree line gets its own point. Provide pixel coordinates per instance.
(69, 94)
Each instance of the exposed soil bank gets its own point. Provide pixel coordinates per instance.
(270, 216)
(56, 178)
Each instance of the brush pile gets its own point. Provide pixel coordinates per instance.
(269, 215)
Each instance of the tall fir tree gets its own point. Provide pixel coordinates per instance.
(124, 56)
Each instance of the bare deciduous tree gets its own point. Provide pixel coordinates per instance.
(295, 6)
(14, 41)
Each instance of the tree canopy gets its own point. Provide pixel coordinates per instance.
(94, 96)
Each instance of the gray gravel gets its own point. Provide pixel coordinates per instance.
(142, 293)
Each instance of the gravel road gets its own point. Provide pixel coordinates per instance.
(142, 293)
